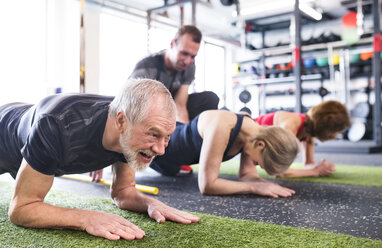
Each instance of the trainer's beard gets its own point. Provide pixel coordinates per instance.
(131, 156)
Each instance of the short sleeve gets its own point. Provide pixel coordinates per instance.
(43, 148)
(144, 73)
(147, 68)
(189, 75)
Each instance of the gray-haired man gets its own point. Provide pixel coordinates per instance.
(78, 133)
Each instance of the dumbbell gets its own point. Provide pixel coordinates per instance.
(245, 109)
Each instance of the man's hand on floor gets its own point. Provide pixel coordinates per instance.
(96, 175)
(111, 226)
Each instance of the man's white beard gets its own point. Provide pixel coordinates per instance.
(131, 156)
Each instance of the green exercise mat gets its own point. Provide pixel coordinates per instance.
(212, 231)
(344, 174)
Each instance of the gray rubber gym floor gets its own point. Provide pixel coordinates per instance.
(353, 210)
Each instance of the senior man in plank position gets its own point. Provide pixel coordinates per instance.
(77, 133)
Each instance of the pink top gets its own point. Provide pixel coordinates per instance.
(267, 120)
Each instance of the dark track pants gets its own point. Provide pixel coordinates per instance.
(202, 101)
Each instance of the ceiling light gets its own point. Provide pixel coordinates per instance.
(281, 5)
(268, 6)
(310, 11)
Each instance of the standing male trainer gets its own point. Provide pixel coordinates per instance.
(175, 68)
(77, 133)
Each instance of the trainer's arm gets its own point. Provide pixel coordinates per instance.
(126, 196)
(181, 99)
(27, 208)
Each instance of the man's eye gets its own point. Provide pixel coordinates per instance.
(154, 135)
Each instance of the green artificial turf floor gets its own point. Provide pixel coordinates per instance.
(344, 174)
(212, 231)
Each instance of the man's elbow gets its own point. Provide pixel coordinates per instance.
(122, 199)
(15, 215)
(118, 203)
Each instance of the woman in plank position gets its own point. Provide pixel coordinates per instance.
(324, 122)
(216, 136)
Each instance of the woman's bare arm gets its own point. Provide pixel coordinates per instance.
(215, 133)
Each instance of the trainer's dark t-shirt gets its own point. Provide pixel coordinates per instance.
(62, 134)
(154, 67)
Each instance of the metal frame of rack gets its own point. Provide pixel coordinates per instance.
(363, 146)
(374, 145)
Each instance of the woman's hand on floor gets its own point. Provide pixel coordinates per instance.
(271, 189)
(324, 168)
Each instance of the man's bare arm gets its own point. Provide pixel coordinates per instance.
(126, 196)
(27, 208)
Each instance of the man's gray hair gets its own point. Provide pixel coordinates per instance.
(136, 97)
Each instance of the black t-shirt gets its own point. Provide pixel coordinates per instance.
(154, 67)
(62, 134)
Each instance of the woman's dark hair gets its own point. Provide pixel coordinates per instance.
(326, 118)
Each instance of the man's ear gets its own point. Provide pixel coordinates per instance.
(121, 122)
(173, 43)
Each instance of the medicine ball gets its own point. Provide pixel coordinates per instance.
(362, 110)
(245, 96)
(359, 131)
(245, 109)
(322, 91)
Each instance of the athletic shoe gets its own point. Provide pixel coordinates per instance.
(184, 170)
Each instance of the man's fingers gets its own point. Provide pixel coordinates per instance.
(111, 236)
(96, 175)
(127, 233)
(93, 175)
(139, 233)
(191, 217)
(174, 215)
(186, 217)
(112, 227)
(157, 216)
(126, 226)
(117, 231)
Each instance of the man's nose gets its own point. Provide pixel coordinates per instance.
(188, 60)
(159, 148)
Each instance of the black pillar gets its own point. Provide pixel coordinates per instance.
(377, 136)
(297, 56)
